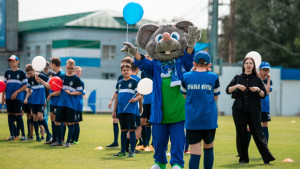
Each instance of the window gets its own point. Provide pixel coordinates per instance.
(108, 75)
(48, 51)
(27, 49)
(37, 50)
(109, 52)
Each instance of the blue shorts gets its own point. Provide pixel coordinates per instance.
(14, 106)
(265, 116)
(37, 108)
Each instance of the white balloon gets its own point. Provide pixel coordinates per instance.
(38, 63)
(145, 86)
(256, 57)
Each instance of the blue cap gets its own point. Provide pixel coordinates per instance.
(202, 55)
(265, 65)
(13, 57)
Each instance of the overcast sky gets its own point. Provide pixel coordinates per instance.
(193, 10)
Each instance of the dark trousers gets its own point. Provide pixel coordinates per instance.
(241, 119)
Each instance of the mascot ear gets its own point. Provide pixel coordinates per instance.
(144, 34)
(184, 25)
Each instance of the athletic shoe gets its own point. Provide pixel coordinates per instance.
(149, 148)
(48, 138)
(75, 142)
(113, 145)
(11, 138)
(67, 145)
(23, 138)
(187, 152)
(31, 138)
(158, 165)
(131, 154)
(120, 154)
(16, 138)
(176, 166)
(136, 151)
(43, 138)
(140, 147)
(38, 139)
(56, 144)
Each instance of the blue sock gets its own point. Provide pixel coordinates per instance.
(248, 137)
(266, 132)
(208, 158)
(43, 122)
(70, 133)
(28, 126)
(20, 124)
(36, 129)
(186, 147)
(10, 125)
(123, 141)
(132, 141)
(63, 131)
(58, 133)
(194, 161)
(76, 132)
(144, 136)
(148, 134)
(116, 132)
(53, 131)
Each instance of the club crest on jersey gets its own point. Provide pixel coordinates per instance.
(18, 76)
(32, 83)
(119, 86)
(71, 83)
(129, 85)
(8, 76)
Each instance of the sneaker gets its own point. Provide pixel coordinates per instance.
(120, 154)
(187, 152)
(11, 138)
(56, 144)
(67, 145)
(149, 148)
(43, 138)
(131, 154)
(113, 145)
(176, 166)
(38, 139)
(16, 138)
(48, 138)
(140, 147)
(136, 151)
(75, 142)
(158, 165)
(23, 138)
(30, 138)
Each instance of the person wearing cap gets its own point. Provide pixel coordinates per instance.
(246, 110)
(200, 87)
(264, 74)
(16, 83)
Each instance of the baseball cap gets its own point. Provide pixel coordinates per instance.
(13, 57)
(265, 65)
(202, 55)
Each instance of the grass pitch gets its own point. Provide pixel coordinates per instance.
(96, 130)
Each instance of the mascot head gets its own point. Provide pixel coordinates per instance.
(164, 42)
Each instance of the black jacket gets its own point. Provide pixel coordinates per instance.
(247, 101)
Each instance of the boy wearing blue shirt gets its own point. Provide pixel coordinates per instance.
(38, 100)
(126, 88)
(200, 87)
(16, 83)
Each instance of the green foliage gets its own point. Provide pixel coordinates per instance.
(271, 28)
(96, 130)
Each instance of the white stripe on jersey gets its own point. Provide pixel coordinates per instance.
(14, 81)
(25, 80)
(216, 90)
(126, 91)
(68, 88)
(79, 88)
(38, 87)
(182, 89)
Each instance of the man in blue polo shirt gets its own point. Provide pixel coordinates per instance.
(16, 83)
(200, 87)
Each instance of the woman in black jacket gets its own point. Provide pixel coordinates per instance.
(248, 89)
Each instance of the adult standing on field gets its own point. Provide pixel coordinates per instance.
(246, 110)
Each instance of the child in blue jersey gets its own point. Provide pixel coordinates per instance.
(38, 100)
(125, 90)
(78, 72)
(127, 60)
(201, 89)
(16, 83)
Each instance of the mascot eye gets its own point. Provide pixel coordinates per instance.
(175, 35)
(158, 37)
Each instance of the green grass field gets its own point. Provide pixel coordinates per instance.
(96, 130)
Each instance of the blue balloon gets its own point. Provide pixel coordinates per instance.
(132, 13)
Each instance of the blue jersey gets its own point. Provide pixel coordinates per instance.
(147, 98)
(72, 83)
(126, 90)
(38, 95)
(14, 80)
(55, 99)
(137, 107)
(80, 98)
(200, 106)
(265, 102)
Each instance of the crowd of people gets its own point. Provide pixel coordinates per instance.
(31, 93)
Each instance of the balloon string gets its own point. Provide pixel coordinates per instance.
(129, 102)
(127, 33)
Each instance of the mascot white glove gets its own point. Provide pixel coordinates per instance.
(193, 36)
(128, 47)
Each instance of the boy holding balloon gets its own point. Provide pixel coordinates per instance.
(16, 83)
